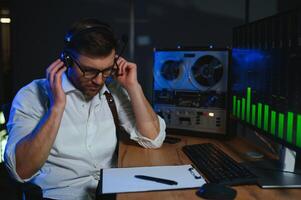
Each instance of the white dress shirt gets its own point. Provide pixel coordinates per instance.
(85, 142)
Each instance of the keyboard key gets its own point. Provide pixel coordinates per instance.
(217, 166)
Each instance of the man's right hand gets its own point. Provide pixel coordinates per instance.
(54, 77)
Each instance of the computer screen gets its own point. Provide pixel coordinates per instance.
(266, 93)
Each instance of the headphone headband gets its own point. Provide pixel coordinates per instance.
(103, 28)
(71, 36)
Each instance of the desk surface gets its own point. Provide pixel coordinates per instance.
(132, 155)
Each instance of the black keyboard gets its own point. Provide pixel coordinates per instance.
(217, 166)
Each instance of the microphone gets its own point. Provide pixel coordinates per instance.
(124, 39)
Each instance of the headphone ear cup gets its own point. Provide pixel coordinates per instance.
(66, 58)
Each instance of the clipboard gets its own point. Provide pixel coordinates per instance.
(123, 180)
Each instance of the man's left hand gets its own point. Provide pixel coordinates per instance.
(127, 74)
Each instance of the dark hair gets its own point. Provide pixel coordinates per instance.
(90, 37)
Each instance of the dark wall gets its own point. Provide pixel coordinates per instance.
(39, 27)
(5, 65)
(193, 23)
(259, 9)
(285, 5)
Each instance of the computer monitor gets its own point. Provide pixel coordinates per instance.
(266, 98)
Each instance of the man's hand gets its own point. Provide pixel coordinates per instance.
(54, 77)
(147, 121)
(127, 74)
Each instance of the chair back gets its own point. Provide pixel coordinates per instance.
(14, 190)
(5, 109)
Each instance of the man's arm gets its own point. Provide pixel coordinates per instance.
(33, 150)
(146, 119)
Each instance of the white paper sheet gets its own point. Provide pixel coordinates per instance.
(118, 180)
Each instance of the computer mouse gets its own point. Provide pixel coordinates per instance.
(216, 192)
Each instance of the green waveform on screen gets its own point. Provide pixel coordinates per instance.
(286, 126)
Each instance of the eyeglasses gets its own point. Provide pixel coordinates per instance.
(93, 73)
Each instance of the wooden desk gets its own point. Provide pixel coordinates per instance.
(132, 155)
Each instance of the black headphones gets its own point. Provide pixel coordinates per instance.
(72, 36)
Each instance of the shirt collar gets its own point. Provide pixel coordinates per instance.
(103, 90)
(68, 86)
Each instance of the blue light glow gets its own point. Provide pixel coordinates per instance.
(249, 66)
(248, 55)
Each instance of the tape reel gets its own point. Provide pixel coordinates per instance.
(191, 70)
(206, 72)
(169, 71)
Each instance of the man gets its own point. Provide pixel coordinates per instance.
(61, 129)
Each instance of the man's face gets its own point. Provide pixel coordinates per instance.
(85, 65)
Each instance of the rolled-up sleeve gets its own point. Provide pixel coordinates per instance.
(146, 142)
(25, 114)
(128, 122)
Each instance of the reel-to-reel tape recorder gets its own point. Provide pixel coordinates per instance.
(190, 88)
